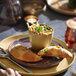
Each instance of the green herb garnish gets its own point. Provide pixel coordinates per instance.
(45, 51)
(47, 28)
(39, 29)
(36, 28)
(17, 47)
(52, 45)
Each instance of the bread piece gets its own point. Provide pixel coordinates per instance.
(23, 54)
(55, 51)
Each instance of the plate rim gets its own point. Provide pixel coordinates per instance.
(40, 74)
(59, 10)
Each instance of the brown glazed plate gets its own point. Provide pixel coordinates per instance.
(61, 6)
(62, 66)
(41, 64)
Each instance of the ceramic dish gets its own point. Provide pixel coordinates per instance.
(61, 67)
(61, 6)
(33, 7)
(41, 64)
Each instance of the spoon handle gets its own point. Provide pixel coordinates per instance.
(27, 70)
(6, 55)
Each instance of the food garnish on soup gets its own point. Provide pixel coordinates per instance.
(40, 29)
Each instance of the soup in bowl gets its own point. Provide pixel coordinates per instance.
(40, 36)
